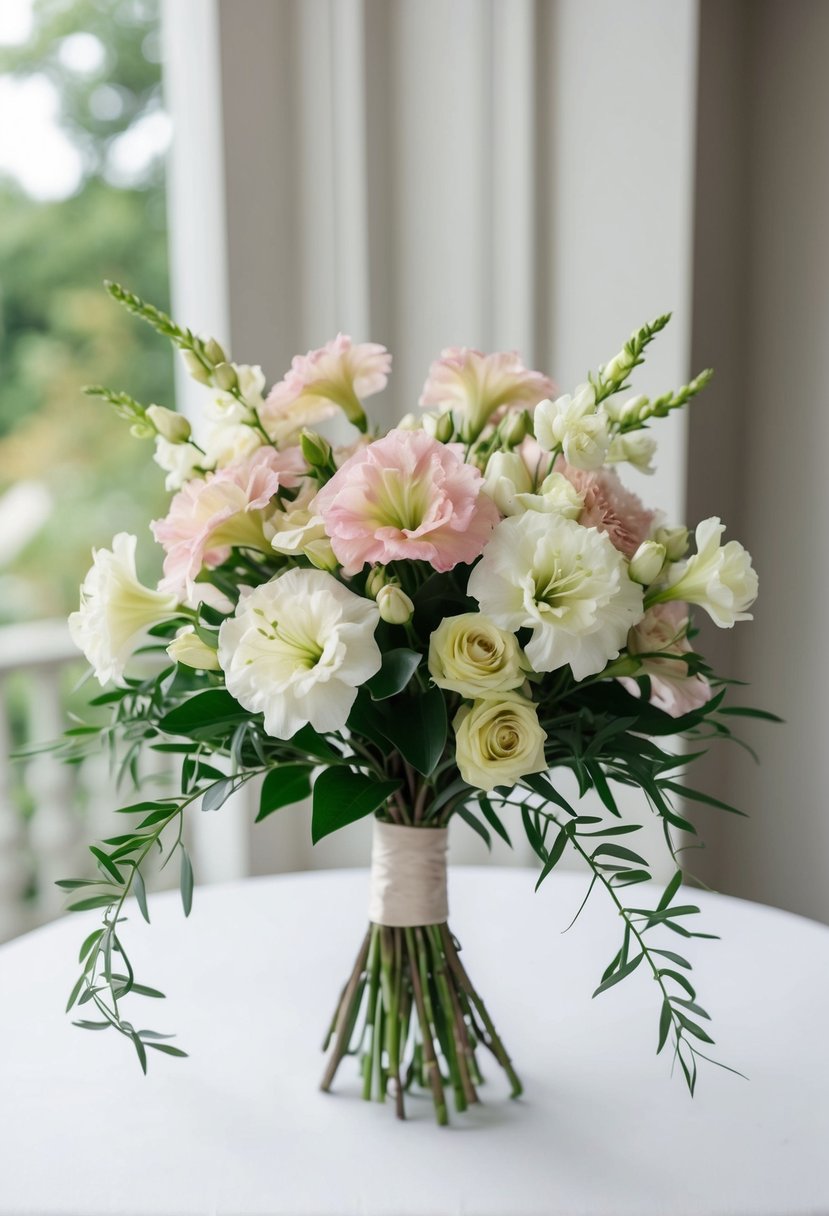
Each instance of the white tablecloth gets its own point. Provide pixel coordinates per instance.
(241, 1128)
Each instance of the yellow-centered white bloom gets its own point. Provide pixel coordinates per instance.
(647, 562)
(297, 649)
(566, 583)
(498, 742)
(396, 608)
(636, 448)
(573, 424)
(116, 610)
(188, 648)
(720, 578)
(472, 655)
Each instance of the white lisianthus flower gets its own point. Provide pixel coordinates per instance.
(116, 610)
(565, 582)
(573, 424)
(499, 742)
(180, 461)
(720, 578)
(188, 648)
(636, 448)
(472, 655)
(228, 409)
(297, 649)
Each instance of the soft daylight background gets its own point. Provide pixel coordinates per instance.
(537, 174)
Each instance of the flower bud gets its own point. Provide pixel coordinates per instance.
(444, 428)
(171, 426)
(225, 378)
(619, 365)
(315, 449)
(320, 554)
(213, 352)
(188, 648)
(410, 422)
(395, 606)
(675, 541)
(429, 423)
(647, 562)
(142, 430)
(515, 427)
(195, 367)
(376, 581)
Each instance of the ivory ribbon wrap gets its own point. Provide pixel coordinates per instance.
(408, 876)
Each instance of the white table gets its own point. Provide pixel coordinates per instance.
(240, 1128)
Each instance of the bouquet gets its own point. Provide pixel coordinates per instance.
(424, 625)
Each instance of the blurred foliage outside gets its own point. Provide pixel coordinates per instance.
(58, 328)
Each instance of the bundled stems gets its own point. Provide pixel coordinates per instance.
(411, 1015)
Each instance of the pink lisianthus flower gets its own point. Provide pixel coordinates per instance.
(337, 376)
(211, 515)
(474, 385)
(659, 636)
(610, 507)
(406, 496)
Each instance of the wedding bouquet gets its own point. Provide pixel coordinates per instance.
(424, 625)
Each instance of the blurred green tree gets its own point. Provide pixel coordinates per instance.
(58, 328)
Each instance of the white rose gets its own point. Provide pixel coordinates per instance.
(498, 742)
(116, 610)
(472, 655)
(566, 583)
(720, 578)
(297, 649)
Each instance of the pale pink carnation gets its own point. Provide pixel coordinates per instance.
(610, 507)
(474, 385)
(406, 496)
(212, 514)
(337, 376)
(662, 631)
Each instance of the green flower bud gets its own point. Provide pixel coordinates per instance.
(376, 581)
(444, 428)
(675, 541)
(316, 450)
(142, 430)
(213, 352)
(395, 606)
(195, 367)
(515, 427)
(225, 378)
(647, 562)
(320, 554)
(171, 426)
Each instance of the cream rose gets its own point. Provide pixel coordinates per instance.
(471, 655)
(498, 742)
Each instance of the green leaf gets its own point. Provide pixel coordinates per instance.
(554, 855)
(398, 668)
(621, 974)
(94, 901)
(205, 710)
(76, 991)
(670, 891)
(216, 795)
(140, 892)
(542, 786)
(693, 1028)
(675, 958)
(144, 990)
(141, 1053)
(186, 881)
(89, 943)
(745, 712)
(283, 786)
(107, 864)
(665, 1021)
(342, 796)
(169, 1050)
(618, 851)
(494, 820)
(84, 1025)
(679, 979)
(418, 729)
(307, 742)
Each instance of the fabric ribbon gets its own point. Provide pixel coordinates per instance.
(408, 876)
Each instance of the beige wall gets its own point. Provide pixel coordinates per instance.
(758, 442)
